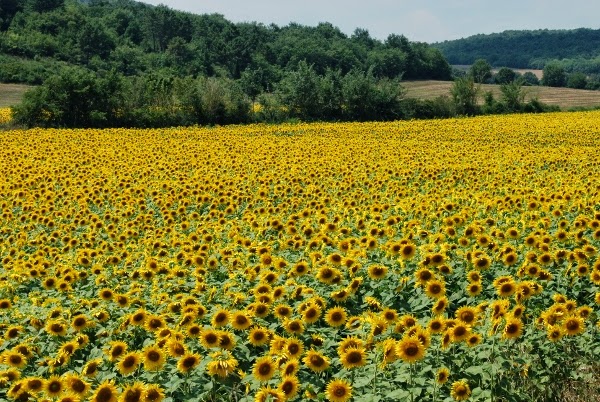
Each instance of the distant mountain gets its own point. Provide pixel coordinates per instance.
(523, 49)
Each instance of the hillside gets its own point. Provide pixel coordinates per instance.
(524, 49)
(38, 38)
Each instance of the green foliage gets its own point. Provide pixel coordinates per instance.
(75, 98)
(505, 75)
(464, 93)
(577, 81)
(480, 71)
(513, 96)
(530, 78)
(554, 75)
(524, 49)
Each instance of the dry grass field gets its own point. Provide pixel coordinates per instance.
(11, 94)
(565, 98)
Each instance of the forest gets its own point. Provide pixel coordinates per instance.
(122, 63)
(576, 50)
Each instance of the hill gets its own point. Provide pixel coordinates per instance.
(39, 37)
(525, 48)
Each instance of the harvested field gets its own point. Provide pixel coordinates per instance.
(11, 94)
(565, 98)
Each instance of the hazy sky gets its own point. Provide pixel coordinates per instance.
(418, 20)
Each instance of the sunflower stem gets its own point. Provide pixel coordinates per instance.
(492, 368)
(410, 381)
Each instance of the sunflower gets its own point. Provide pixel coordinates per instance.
(410, 350)
(338, 390)
(388, 348)
(349, 342)
(483, 262)
(353, 357)
(91, 368)
(460, 390)
(117, 349)
(176, 348)
(423, 275)
(240, 320)
(440, 305)
(269, 394)
(289, 368)
(155, 323)
(289, 386)
(436, 325)
(474, 340)
(76, 385)
(442, 375)
(18, 391)
(106, 392)
(513, 328)
(294, 326)
(377, 272)
(258, 336)
(316, 361)
(459, 332)
(573, 325)
(153, 358)
(554, 333)
(56, 328)
(222, 364)
(209, 338)
(293, 347)
(54, 386)
(467, 314)
(226, 340)
(336, 316)
(81, 322)
(15, 359)
(328, 275)
(263, 369)
(474, 289)
(389, 315)
(153, 393)
(311, 314)
(139, 317)
(407, 251)
(34, 384)
(129, 363)
(188, 362)
(435, 289)
(133, 393)
(220, 318)
(283, 311)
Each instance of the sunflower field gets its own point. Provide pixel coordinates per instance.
(5, 115)
(434, 260)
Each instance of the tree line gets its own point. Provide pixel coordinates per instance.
(120, 63)
(523, 48)
(40, 37)
(554, 74)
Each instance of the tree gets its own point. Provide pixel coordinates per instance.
(299, 90)
(95, 40)
(530, 78)
(42, 6)
(513, 96)
(577, 81)
(554, 75)
(75, 98)
(480, 71)
(505, 76)
(464, 94)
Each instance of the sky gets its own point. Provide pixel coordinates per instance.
(418, 20)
